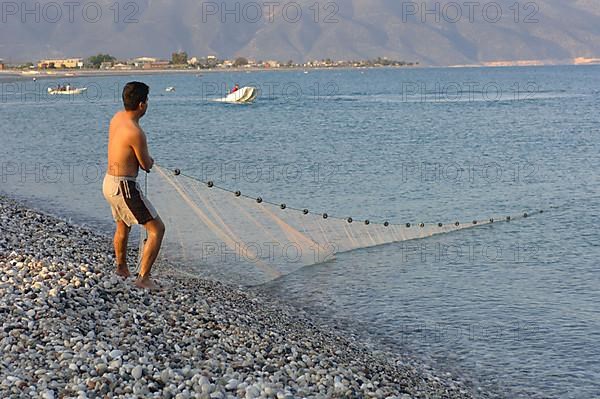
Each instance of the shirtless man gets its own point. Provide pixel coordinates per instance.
(127, 153)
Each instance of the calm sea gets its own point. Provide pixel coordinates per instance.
(514, 306)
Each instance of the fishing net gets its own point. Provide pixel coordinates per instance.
(223, 234)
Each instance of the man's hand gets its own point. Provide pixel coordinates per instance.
(150, 166)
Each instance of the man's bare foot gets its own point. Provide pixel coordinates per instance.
(123, 271)
(147, 283)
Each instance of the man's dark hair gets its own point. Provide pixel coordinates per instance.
(135, 93)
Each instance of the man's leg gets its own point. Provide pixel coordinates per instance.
(120, 242)
(156, 232)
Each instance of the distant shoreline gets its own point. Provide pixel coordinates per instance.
(65, 73)
(12, 75)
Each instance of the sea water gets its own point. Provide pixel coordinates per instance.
(512, 306)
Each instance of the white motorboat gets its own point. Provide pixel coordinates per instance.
(244, 95)
(170, 89)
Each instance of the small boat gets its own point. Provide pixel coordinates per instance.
(244, 95)
(53, 91)
(170, 89)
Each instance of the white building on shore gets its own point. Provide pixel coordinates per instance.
(60, 63)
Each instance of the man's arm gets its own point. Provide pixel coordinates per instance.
(140, 147)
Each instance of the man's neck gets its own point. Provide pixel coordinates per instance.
(133, 115)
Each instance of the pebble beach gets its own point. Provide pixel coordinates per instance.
(71, 328)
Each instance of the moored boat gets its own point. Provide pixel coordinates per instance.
(54, 91)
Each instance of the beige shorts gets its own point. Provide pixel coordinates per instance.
(127, 200)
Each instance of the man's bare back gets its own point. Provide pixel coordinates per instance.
(127, 147)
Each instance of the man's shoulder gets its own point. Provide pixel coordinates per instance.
(125, 126)
(117, 116)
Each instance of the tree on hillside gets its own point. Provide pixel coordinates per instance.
(240, 61)
(179, 58)
(97, 60)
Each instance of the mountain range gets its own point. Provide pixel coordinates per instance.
(431, 32)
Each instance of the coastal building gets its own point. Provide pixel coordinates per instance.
(583, 61)
(1, 64)
(122, 66)
(61, 63)
(212, 61)
(158, 64)
(271, 64)
(141, 61)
